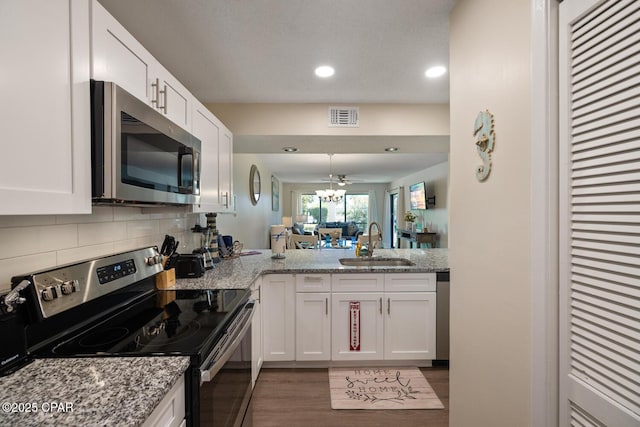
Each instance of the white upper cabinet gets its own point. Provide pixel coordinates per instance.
(206, 128)
(216, 192)
(172, 99)
(118, 57)
(44, 114)
(225, 168)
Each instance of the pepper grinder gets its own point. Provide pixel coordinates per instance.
(213, 237)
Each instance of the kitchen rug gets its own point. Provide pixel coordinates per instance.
(381, 388)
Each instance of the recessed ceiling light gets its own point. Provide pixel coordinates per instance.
(391, 149)
(289, 149)
(324, 71)
(434, 72)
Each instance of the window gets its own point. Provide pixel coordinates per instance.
(354, 207)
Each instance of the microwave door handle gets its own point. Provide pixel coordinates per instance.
(208, 373)
(196, 173)
(184, 151)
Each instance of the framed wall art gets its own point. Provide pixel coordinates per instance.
(275, 194)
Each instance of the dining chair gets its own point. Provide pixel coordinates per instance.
(332, 232)
(303, 241)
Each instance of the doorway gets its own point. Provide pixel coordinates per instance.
(393, 203)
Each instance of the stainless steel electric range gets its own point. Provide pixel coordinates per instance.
(110, 307)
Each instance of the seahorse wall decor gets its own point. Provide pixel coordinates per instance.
(485, 140)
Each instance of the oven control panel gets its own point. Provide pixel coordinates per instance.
(60, 289)
(116, 271)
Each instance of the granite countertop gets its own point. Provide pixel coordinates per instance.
(241, 272)
(96, 391)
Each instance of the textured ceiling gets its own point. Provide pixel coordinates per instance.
(235, 51)
(266, 50)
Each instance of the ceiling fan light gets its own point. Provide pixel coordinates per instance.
(342, 183)
(329, 194)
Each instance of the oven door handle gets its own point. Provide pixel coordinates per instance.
(234, 339)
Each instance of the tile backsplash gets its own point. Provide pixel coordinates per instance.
(31, 243)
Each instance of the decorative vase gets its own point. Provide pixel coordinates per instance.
(408, 225)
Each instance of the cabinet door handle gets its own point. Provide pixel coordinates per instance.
(259, 294)
(326, 306)
(163, 92)
(156, 86)
(226, 199)
(380, 306)
(389, 306)
(312, 279)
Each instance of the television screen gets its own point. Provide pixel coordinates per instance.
(418, 196)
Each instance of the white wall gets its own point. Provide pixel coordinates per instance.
(312, 119)
(436, 218)
(250, 224)
(38, 242)
(489, 239)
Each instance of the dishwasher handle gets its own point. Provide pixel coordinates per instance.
(228, 343)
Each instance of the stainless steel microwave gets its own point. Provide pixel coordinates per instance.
(138, 156)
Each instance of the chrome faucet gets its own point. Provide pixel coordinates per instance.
(369, 245)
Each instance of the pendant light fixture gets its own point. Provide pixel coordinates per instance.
(330, 195)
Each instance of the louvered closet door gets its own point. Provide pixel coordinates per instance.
(600, 213)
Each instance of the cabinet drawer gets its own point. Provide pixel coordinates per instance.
(357, 282)
(410, 282)
(313, 282)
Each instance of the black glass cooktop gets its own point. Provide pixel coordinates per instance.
(184, 322)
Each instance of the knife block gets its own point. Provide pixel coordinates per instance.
(166, 279)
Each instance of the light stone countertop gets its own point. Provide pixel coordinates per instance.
(241, 272)
(97, 391)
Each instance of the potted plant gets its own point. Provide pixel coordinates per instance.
(409, 218)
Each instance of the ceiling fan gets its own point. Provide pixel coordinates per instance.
(341, 180)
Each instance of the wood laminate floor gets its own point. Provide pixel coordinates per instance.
(300, 397)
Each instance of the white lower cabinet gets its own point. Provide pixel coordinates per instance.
(256, 332)
(409, 325)
(349, 317)
(357, 326)
(313, 326)
(278, 317)
(313, 316)
(170, 412)
(399, 323)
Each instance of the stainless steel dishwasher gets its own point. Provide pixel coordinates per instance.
(442, 316)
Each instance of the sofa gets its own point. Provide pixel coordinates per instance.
(349, 229)
(298, 228)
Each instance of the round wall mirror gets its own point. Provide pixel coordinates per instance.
(254, 184)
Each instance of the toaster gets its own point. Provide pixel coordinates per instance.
(189, 265)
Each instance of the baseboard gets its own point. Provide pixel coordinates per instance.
(349, 363)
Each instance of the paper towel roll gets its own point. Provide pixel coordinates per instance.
(278, 239)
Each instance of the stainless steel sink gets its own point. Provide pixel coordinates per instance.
(375, 262)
